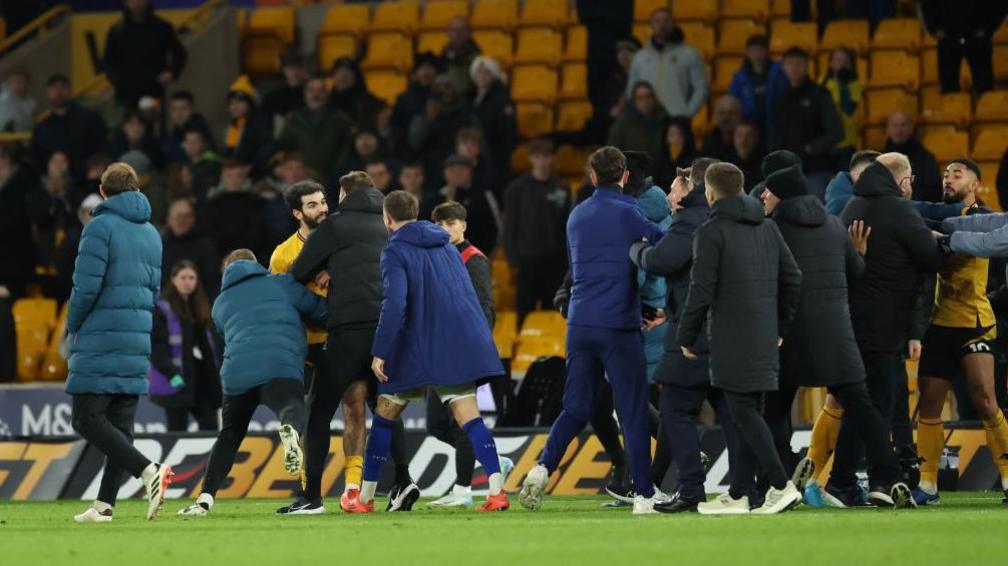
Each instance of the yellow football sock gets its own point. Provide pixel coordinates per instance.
(354, 471)
(997, 442)
(930, 441)
(824, 436)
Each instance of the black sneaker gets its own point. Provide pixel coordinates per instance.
(909, 465)
(402, 497)
(303, 507)
(679, 504)
(843, 497)
(618, 486)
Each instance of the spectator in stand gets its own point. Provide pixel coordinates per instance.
(17, 108)
(152, 185)
(470, 143)
(841, 188)
(411, 180)
(747, 153)
(52, 212)
(901, 137)
(66, 252)
(366, 146)
(458, 55)
(143, 54)
(288, 97)
(246, 139)
(350, 94)
(134, 134)
(721, 139)
(433, 132)
(182, 117)
(535, 230)
(612, 100)
(380, 173)
(204, 165)
(805, 122)
(757, 83)
(673, 67)
(484, 212)
(96, 165)
(233, 216)
(608, 59)
(414, 100)
(964, 29)
(841, 80)
(17, 265)
(316, 131)
(69, 128)
(185, 356)
(677, 151)
(641, 126)
(496, 114)
(181, 241)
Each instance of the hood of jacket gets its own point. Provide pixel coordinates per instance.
(739, 208)
(696, 197)
(805, 210)
(241, 270)
(131, 205)
(421, 234)
(653, 204)
(363, 200)
(876, 181)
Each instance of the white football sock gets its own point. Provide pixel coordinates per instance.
(367, 491)
(928, 487)
(149, 472)
(496, 482)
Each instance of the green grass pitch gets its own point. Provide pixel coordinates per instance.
(570, 531)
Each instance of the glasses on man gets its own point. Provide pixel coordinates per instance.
(910, 178)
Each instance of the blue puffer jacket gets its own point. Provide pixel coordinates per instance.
(839, 190)
(260, 317)
(652, 288)
(600, 231)
(743, 87)
(432, 330)
(116, 282)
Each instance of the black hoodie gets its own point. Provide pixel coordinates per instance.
(746, 285)
(136, 52)
(885, 305)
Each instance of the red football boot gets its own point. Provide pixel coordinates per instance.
(350, 503)
(497, 502)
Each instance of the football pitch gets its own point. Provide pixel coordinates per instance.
(572, 531)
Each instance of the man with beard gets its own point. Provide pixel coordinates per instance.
(673, 67)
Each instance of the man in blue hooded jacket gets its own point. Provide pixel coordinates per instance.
(264, 350)
(431, 333)
(603, 327)
(109, 317)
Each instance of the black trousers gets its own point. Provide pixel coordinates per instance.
(978, 52)
(442, 426)
(538, 282)
(204, 413)
(777, 412)
(106, 421)
(285, 397)
(755, 446)
(680, 408)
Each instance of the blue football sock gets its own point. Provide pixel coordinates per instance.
(483, 445)
(377, 450)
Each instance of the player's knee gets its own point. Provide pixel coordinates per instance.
(984, 403)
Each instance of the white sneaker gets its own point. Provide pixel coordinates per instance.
(661, 497)
(803, 473)
(460, 496)
(93, 515)
(779, 500)
(201, 508)
(644, 505)
(293, 456)
(506, 465)
(533, 487)
(724, 505)
(156, 485)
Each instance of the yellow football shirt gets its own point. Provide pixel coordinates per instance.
(280, 262)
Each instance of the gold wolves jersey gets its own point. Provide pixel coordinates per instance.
(961, 299)
(280, 262)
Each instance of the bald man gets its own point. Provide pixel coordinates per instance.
(901, 137)
(888, 316)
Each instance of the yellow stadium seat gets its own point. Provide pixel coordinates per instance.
(519, 161)
(845, 33)
(1000, 36)
(695, 10)
(494, 14)
(534, 119)
(32, 340)
(881, 103)
(1001, 63)
(433, 41)
(436, 15)
(576, 46)
(751, 9)
(929, 66)
(552, 13)
(386, 85)
(333, 46)
(643, 9)
(497, 44)
(35, 311)
(505, 333)
(570, 161)
(953, 108)
(274, 20)
(388, 51)
(571, 117)
(780, 8)
(897, 33)
(733, 34)
(700, 36)
(642, 32)
(346, 18)
(724, 69)
(534, 83)
(401, 17)
(785, 35)
(992, 106)
(54, 365)
(990, 143)
(261, 54)
(543, 323)
(894, 68)
(873, 137)
(573, 81)
(988, 190)
(539, 45)
(946, 144)
(530, 350)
